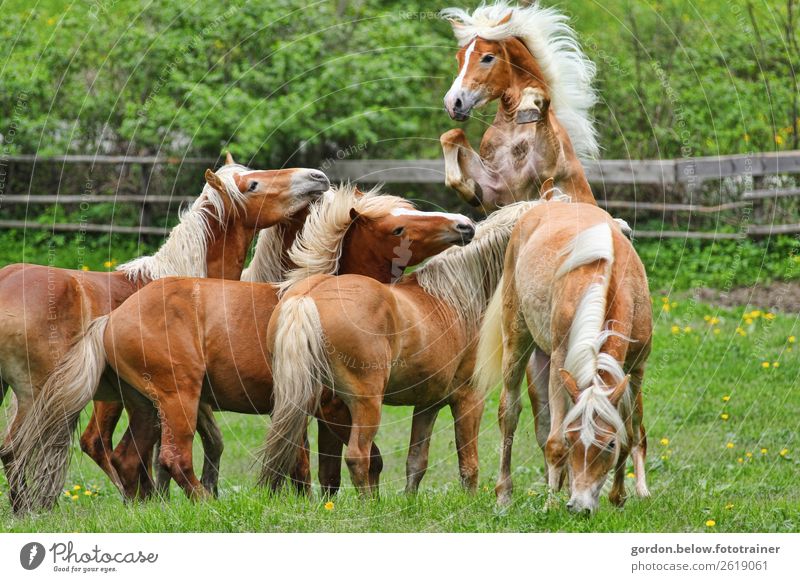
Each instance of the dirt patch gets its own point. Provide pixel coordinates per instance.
(782, 296)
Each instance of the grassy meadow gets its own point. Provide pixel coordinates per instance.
(721, 410)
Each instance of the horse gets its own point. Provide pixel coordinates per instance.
(211, 240)
(411, 343)
(215, 331)
(530, 60)
(574, 288)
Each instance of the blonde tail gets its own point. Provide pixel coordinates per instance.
(300, 369)
(43, 443)
(489, 360)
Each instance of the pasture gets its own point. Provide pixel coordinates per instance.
(722, 419)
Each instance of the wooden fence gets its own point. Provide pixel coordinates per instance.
(667, 174)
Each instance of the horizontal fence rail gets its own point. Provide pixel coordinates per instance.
(663, 173)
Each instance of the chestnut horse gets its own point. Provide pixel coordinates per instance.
(411, 343)
(215, 333)
(573, 287)
(211, 239)
(528, 59)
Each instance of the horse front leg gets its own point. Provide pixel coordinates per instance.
(639, 445)
(417, 460)
(555, 450)
(213, 445)
(538, 373)
(465, 171)
(467, 409)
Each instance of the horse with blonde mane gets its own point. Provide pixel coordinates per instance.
(411, 343)
(529, 59)
(215, 334)
(211, 240)
(574, 288)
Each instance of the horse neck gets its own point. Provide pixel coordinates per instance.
(227, 248)
(289, 234)
(360, 258)
(526, 73)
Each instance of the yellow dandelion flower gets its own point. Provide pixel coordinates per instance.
(784, 452)
(711, 523)
(776, 364)
(531, 493)
(329, 506)
(764, 451)
(778, 139)
(631, 475)
(748, 320)
(729, 506)
(740, 460)
(792, 339)
(51, 21)
(688, 329)
(724, 416)
(485, 488)
(755, 313)
(740, 331)
(769, 316)
(765, 364)
(76, 488)
(84, 268)
(707, 317)
(665, 300)
(109, 264)
(665, 441)
(674, 304)
(729, 445)
(714, 320)
(665, 307)
(74, 497)
(676, 329)
(87, 492)
(716, 331)
(726, 398)
(748, 454)
(67, 493)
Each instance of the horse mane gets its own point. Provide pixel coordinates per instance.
(552, 41)
(268, 264)
(184, 251)
(465, 277)
(585, 359)
(318, 247)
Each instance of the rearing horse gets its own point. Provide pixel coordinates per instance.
(528, 59)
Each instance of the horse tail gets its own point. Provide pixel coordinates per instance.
(489, 359)
(300, 369)
(43, 443)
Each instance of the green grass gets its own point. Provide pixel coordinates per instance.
(693, 479)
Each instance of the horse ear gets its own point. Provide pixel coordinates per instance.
(358, 193)
(354, 214)
(228, 158)
(505, 18)
(547, 189)
(570, 385)
(619, 390)
(214, 181)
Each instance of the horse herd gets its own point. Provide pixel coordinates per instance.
(324, 323)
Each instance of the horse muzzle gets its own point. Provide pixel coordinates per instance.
(460, 103)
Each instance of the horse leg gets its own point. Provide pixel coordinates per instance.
(617, 493)
(213, 445)
(300, 475)
(517, 348)
(417, 461)
(329, 455)
(538, 373)
(131, 459)
(16, 482)
(639, 445)
(366, 414)
(178, 424)
(555, 450)
(465, 171)
(96, 439)
(467, 411)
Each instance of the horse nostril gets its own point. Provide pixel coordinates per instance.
(458, 104)
(465, 228)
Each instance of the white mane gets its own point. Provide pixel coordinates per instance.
(184, 251)
(466, 277)
(268, 264)
(553, 43)
(585, 360)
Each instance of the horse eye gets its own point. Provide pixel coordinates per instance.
(611, 445)
(253, 186)
(398, 231)
(486, 59)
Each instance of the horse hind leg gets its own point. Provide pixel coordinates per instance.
(96, 440)
(417, 461)
(178, 424)
(213, 445)
(16, 482)
(366, 414)
(467, 411)
(131, 458)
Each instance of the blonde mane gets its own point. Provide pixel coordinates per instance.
(184, 251)
(465, 277)
(552, 41)
(318, 247)
(269, 263)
